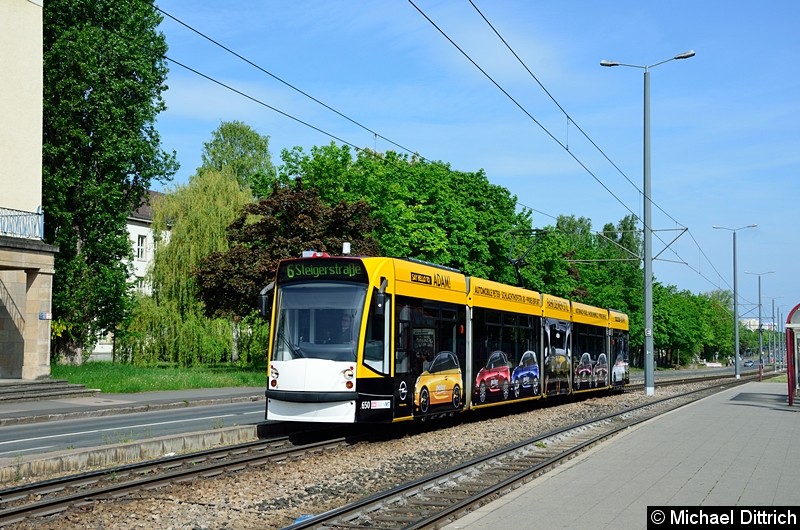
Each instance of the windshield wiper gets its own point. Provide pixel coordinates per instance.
(294, 350)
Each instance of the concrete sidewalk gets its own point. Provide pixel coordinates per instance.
(740, 447)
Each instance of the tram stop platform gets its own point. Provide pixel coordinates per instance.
(737, 448)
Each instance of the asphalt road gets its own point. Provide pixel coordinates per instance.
(49, 436)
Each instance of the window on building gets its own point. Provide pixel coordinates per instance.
(141, 247)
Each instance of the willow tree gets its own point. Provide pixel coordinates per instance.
(189, 223)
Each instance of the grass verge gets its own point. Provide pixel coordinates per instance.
(124, 379)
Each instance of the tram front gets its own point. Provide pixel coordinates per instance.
(321, 316)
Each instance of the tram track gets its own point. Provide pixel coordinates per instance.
(444, 496)
(52, 496)
(57, 495)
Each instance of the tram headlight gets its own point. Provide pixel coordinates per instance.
(348, 375)
(273, 376)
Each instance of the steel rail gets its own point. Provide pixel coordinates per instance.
(62, 493)
(443, 496)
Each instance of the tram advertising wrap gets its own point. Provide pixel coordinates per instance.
(379, 339)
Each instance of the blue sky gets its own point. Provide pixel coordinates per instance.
(562, 133)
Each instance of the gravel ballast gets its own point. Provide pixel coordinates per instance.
(274, 496)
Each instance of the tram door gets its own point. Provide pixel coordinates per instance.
(404, 376)
(429, 355)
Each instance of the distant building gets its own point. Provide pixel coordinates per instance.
(26, 262)
(752, 324)
(140, 234)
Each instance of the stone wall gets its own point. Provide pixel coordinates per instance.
(26, 282)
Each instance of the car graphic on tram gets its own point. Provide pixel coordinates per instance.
(584, 372)
(494, 378)
(440, 384)
(600, 373)
(525, 377)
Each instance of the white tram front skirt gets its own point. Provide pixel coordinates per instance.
(336, 412)
(313, 376)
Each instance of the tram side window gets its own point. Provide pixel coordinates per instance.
(589, 339)
(425, 327)
(619, 346)
(510, 337)
(512, 333)
(284, 345)
(447, 330)
(486, 325)
(376, 346)
(402, 362)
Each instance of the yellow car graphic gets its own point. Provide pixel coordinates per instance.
(440, 384)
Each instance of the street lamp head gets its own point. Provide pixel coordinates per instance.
(732, 229)
(684, 55)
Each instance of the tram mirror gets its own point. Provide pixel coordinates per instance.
(380, 297)
(265, 300)
(380, 303)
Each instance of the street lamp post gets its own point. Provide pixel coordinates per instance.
(649, 371)
(771, 336)
(736, 362)
(781, 339)
(774, 338)
(760, 329)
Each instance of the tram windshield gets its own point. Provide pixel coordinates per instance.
(318, 320)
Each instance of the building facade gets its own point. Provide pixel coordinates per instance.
(26, 262)
(140, 234)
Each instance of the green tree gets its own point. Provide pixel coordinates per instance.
(292, 219)
(619, 251)
(581, 253)
(616, 278)
(748, 340)
(680, 323)
(189, 224)
(720, 321)
(237, 148)
(604, 270)
(546, 269)
(427, 210)
(104, 73)
(571, 260)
